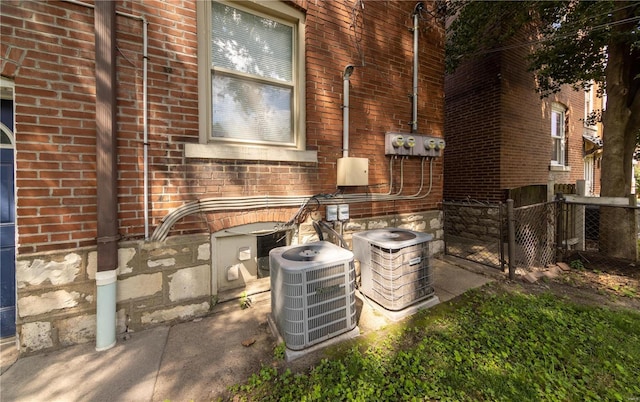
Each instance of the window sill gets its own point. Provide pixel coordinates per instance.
(243, 152)
(559, 168)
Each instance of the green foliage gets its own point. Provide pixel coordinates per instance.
(567, 39)
(279, 351)
(577, 264)
(492, 346)
(245, 301)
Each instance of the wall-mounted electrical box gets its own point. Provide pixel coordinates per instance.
(402, 144)
(332, 213)
(394, 144)
(353, 172)
(343, 212)
(433, 146)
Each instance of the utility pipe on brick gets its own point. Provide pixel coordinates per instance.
(106, 166)
(348, 70)
(414, 96)
(145, 113)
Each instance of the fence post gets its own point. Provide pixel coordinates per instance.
(511, 233)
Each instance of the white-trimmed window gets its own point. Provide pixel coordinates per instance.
(251, 81)
(590, 99)
(558, 123)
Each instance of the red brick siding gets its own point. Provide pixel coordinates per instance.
(499, 130)
(48, 49)
(473, 121)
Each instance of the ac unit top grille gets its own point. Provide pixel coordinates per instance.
(393, 238)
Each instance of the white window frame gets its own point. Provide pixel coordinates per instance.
(225, 148)
(589, 100)
(588, 174)
(557, 108)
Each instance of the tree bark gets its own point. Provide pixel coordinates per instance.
(618, 237)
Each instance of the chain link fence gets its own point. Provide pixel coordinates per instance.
(595, 237)
(475, 231)
(598, 237)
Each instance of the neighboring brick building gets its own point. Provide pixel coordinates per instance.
(215, 182)
(499, 131)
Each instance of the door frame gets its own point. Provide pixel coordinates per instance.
(7, 93)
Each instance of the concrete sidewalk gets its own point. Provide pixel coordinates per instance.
(196, 360)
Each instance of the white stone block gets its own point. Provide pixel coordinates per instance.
(125, 255)
(36, 336)
(36, 272)
(437, 247)
(92, 264)
(377, 224)
(204, 252)
(139, 286)
(166, 262)
(47, 302)
(76, 330)
(189, 283)
(181, 312)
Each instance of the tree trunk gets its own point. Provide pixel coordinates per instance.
(618, 237)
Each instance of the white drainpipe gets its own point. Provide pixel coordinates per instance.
(105, 309)
(414, 95)
(348, 70)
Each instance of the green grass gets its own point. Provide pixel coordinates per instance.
(487, 346)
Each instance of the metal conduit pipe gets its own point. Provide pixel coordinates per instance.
(345, 110)
(414, 95)
(259, 202)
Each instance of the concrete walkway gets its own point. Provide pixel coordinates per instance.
(196, 360)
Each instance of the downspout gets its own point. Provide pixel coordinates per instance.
(414, 95)
(348, 70)
(145, 127)
(145, 116)
(106, 166)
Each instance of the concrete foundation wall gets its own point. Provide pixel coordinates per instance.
(158, 283)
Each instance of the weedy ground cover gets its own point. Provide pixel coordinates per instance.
(489, 345)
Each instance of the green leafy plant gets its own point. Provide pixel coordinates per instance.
(279, 351)
(245, 301)
(488, 345)
(577, 264)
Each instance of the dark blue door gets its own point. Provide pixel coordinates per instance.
(7, 226)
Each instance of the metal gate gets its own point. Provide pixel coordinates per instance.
(478, 232)
(475, 231)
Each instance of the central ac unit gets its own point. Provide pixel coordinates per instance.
(312, 292)
(395, 269)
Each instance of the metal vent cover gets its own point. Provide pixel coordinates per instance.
(395, 266)
(312, 292)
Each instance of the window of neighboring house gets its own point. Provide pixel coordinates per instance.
(588, 105)
(588, 175)
(558, 123)
(251, 82)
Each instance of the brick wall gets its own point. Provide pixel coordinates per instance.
(473, 127)
(48, 49)
(499, 130)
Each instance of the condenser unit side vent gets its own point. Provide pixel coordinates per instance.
(395, 266)
(313, 298)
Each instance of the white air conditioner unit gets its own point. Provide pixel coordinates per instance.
(395, 267)
(312, 292)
